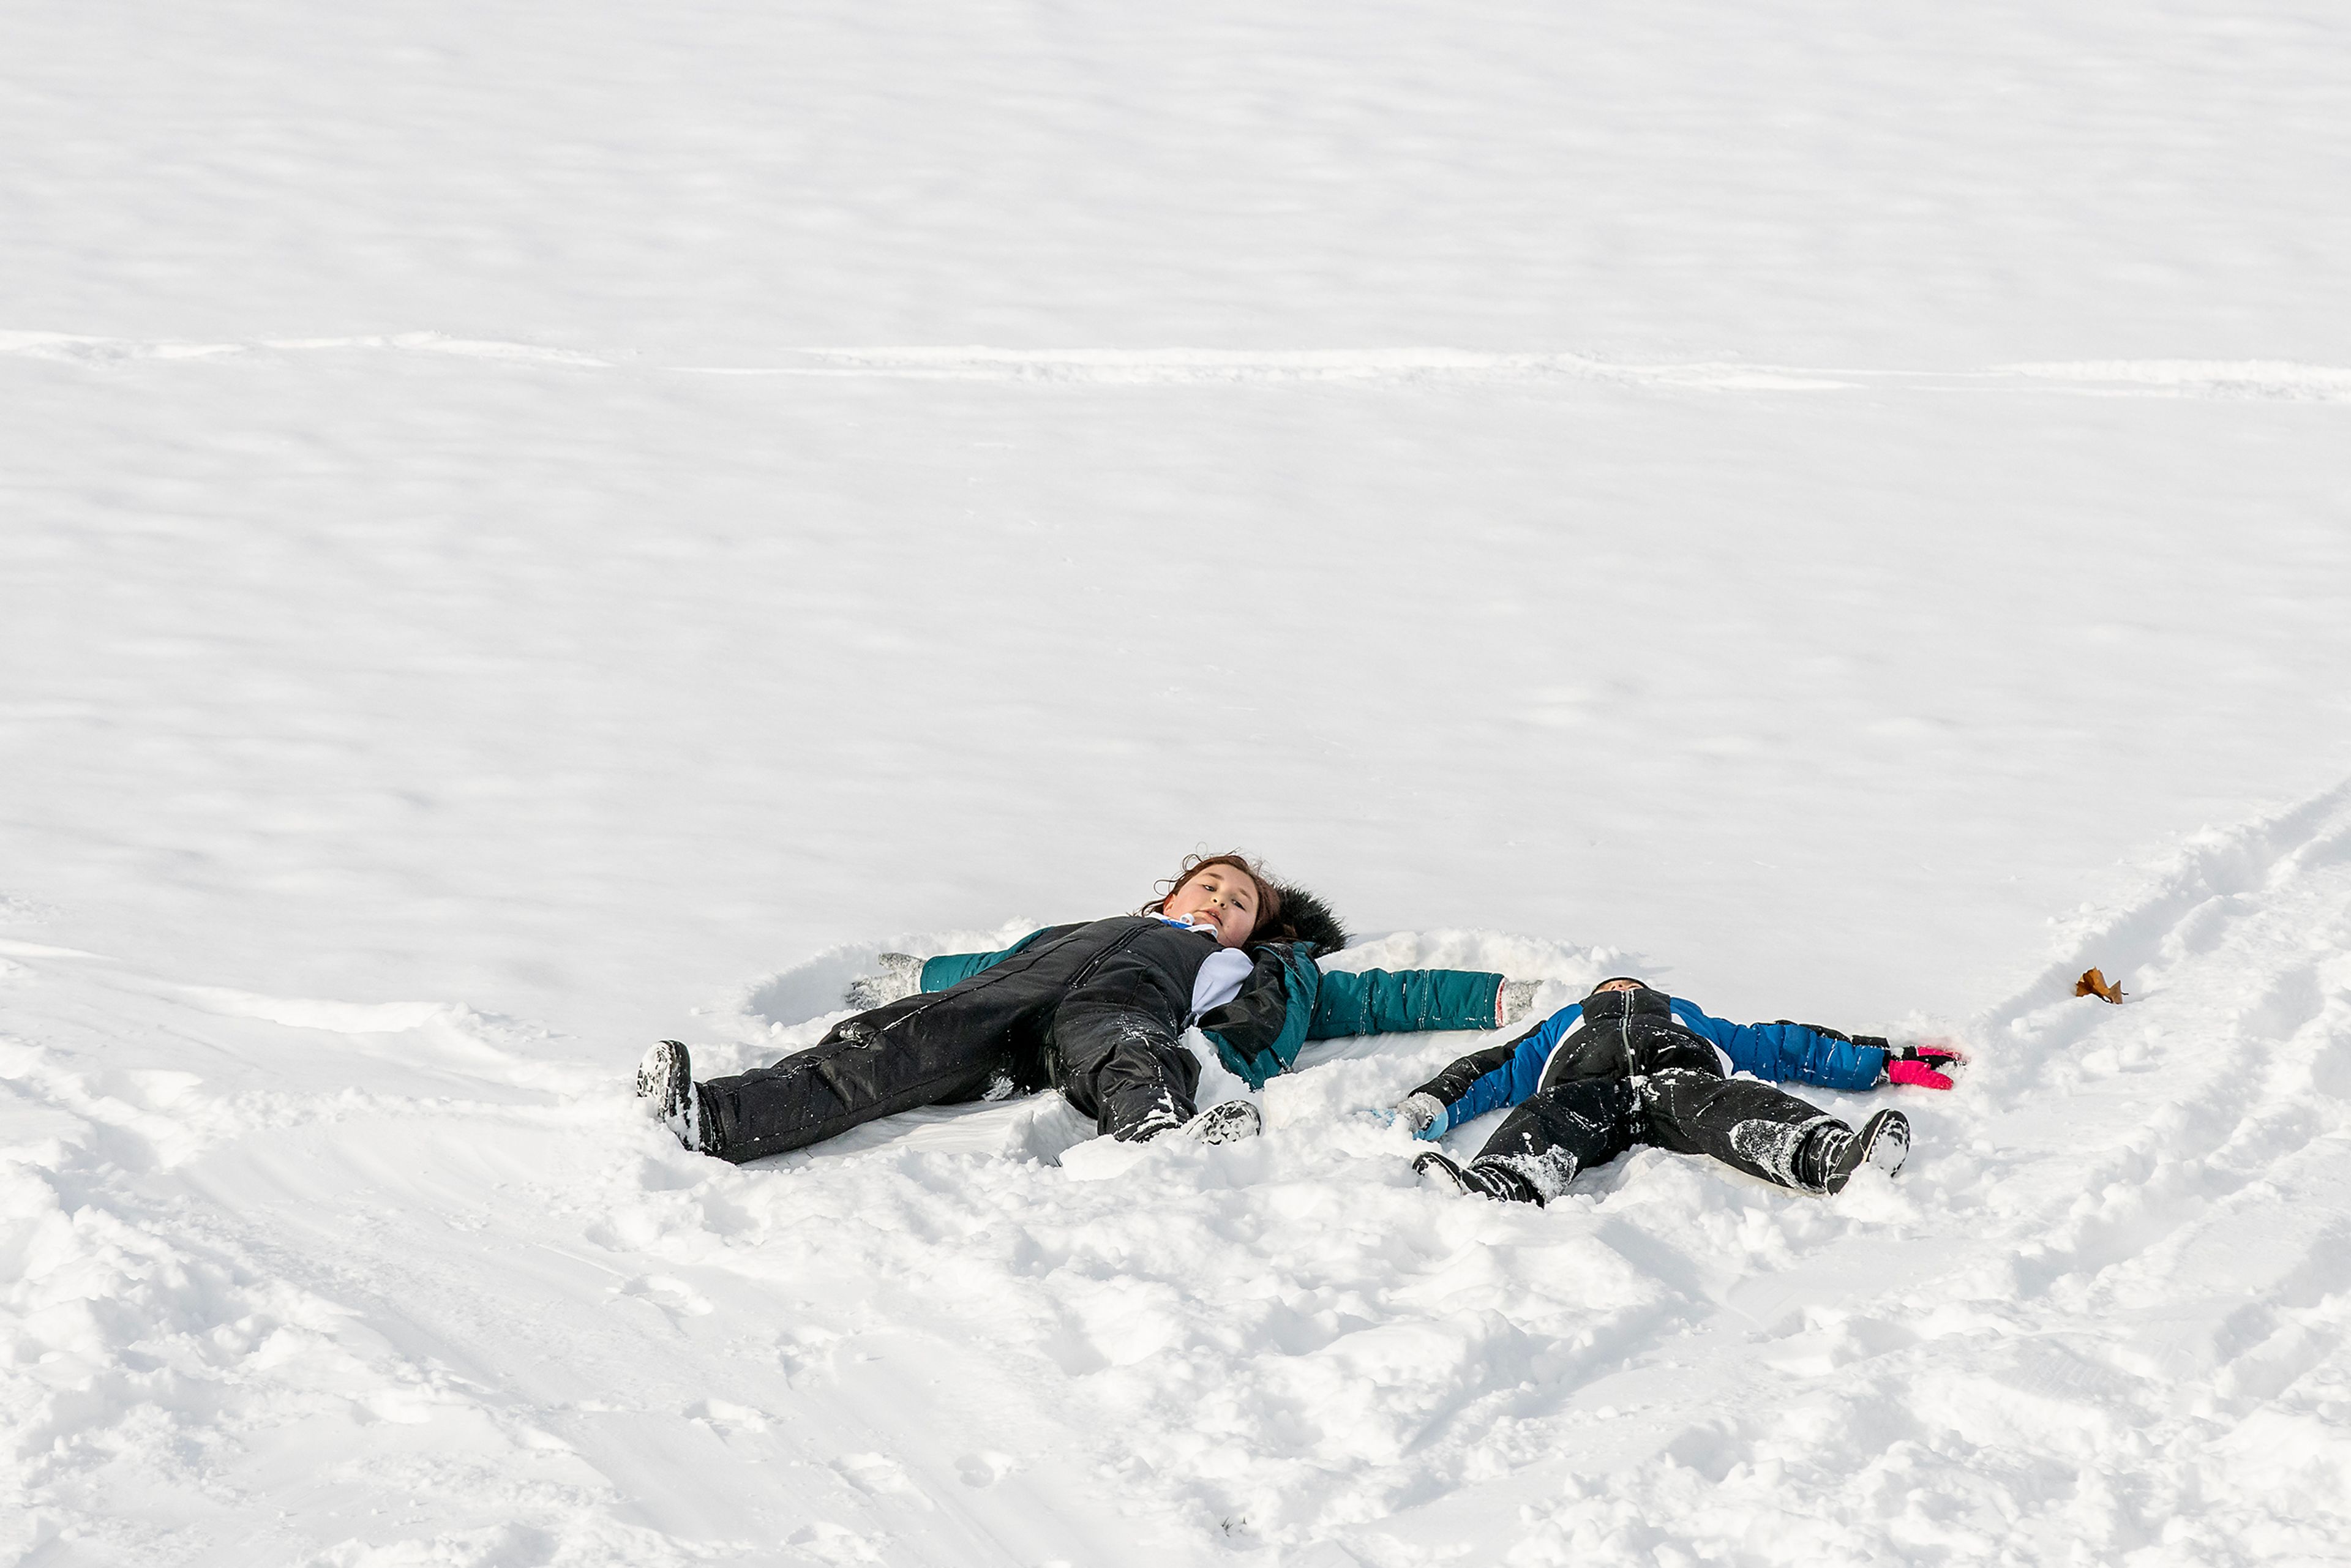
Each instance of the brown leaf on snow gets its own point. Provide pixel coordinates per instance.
(2093, 984)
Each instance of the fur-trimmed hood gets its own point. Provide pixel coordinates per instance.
(1306, 919)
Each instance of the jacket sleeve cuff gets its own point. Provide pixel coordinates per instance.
(1878, 1043)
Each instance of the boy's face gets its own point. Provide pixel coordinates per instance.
(1219, 897)
(1619, 986)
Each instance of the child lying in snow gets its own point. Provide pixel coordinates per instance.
(1628, 1065)
(1096, 1010)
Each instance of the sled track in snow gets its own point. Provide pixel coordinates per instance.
(2276, 380)
(407, 1286)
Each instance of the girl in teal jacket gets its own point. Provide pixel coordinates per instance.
(1096, 1010)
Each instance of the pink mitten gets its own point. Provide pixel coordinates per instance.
(1917, 1074)
(1921, 1066)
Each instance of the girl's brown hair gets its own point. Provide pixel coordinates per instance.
(1268, 897)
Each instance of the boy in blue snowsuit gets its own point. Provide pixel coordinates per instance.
(1629, 1065)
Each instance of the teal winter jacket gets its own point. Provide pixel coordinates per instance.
(1288, 1000)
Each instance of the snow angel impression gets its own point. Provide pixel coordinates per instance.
(1097, 1010)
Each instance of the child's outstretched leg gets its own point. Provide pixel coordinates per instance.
(1114, 1049)
(1541, 1146)
(1767, 1132)
(940, 1049)
(1123, 1068)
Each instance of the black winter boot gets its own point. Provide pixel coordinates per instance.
(1831, 1155)
(1486, 1177)
(1163, 1117)
(665, 1082)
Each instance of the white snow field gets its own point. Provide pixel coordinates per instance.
(526, 529)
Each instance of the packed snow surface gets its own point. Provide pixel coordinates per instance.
(301, 1279)
(529, 529)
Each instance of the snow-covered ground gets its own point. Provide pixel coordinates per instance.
(303, 1280)
(524, 529)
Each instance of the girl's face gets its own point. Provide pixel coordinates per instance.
(1220, 898)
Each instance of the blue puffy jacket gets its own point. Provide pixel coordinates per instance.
(1507, 1073)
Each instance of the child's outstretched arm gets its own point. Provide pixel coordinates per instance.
(902, 975)
(1406, 1001)
(1290, 999)
(948, 969)
(1813, 1053)
(1485, 1080)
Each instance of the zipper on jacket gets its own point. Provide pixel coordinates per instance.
(1050, 1048)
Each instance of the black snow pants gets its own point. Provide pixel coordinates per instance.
(1631, 1074)
(1095, 1011)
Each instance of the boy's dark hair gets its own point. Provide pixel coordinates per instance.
(1269, 895)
